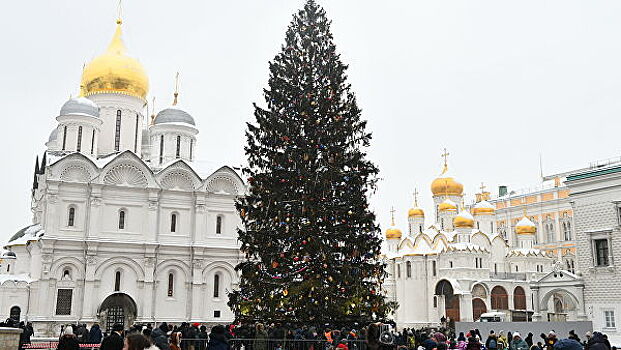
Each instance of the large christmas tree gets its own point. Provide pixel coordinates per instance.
(310, 241)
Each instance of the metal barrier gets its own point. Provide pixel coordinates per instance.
(275, 344)
(54, 344)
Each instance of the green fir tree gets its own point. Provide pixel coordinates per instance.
(311, 245)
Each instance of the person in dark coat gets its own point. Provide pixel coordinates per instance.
(159, 337)
(217, 339)
(67, 340)
(115, 340)
(95, 336)
(567, 344)
(598, 342)
(529, 339)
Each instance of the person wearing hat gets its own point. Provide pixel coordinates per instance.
(518, 343)
(115, 340)
(68, 340)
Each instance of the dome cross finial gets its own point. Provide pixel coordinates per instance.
(392, 216)
(176, 94)
(445, 155)
(415, 197)
(119, 17)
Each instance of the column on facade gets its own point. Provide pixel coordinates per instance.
(89, 310)
(152, 230)
(465, 307)
(537, 304)
(196, 312)
(148, 310)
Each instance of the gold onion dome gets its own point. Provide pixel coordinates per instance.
(483, 208)
(463, 220)
(525, 227)
(445, 185)
(447, 205)
(115, 72)
(393, 233)
(416, 213)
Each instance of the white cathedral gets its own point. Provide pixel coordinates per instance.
(126, 227)
(460, 267)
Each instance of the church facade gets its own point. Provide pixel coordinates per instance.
(462, 266)
(127, 227)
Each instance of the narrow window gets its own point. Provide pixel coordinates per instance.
(216, 286)
(216, 313)
(122, 220)
(191, 150)
(610, 321)
(117, 131)
(79, 146)
(218, 224)
(435, 301)
(117, 281)
(601, 252)
(93, 142)
(451, 264)
(8, 268)
(161, 148)
(178, 152)
(63, 301)
(491, 227)
(71, 219)
(433, 267)
(171, 284)
(173, 223)
(408, 269)
(398, 270)
(136, 136)
(64, 137)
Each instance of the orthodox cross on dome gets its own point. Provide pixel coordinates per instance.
(176, 94)
(119, 18)
(392, 216)
(415, 197)
(482, 188)
(445, 156)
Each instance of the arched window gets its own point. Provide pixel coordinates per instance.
(117, 281)
(408, 269)
(93, 142)
(117, 131)
(219, 224)
(64, 137)
(398, 270)
(173, 222)
(71, 217)
(171, 284)
(121, 219)
(433, 268)
(79, 145)
(519, 298)
(66, 275)
(500, 299)
(191, 150)
(136, 135)
(161, 148)
(216, 286)
(178, 152)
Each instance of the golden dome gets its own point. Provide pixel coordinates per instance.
(463, 220)
(393, 233)
(416, 213)
(115, 72)
(483, 208)
(445, 185)
(447, 205)
(525, 227)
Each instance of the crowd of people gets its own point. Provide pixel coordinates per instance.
(195, 336)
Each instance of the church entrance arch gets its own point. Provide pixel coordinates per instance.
(117, 308)
(451, 301)
(478, 308)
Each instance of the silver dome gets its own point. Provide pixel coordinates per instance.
(80, 105)
(173, 115)
(53, 135)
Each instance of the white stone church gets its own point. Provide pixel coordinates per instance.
(462, 266)
(126, 227)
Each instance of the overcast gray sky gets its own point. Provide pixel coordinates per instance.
(495, 82)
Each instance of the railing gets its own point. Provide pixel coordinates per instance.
(276, 344)
(43, 345)
(520, 276)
